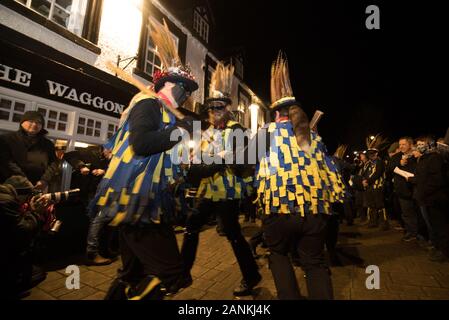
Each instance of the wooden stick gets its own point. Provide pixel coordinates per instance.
(315, 119)
(139, 85)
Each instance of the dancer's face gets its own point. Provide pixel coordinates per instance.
(217, 110)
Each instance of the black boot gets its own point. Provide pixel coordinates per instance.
(246, 287)
(117, 290)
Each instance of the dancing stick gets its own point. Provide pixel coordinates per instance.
(315, 119)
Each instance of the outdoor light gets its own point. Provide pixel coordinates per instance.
(81, 145)
(372, 137)
(355, 152)
(254, 109)
(123, 21)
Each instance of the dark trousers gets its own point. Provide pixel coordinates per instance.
(359, 205)
(227, 213)
(308, 235)
(409, 216)
(333, 226)
(436, 216)
(149, 250)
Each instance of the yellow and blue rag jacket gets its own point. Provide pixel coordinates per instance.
(289, 180)
(224, 185)
(134, 189)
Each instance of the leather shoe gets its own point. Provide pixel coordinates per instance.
(99, 261)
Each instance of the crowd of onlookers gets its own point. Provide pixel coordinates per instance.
(31, 167)
(406, 187)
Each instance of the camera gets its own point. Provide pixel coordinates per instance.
(57, 197)
(51, 223)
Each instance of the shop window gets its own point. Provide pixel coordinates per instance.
(11, 109)
(89, 127)
(54, 119)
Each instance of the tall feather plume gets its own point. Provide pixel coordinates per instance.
(379, 142)
(166, 46)
(341, 151)
(280, 79)
(221, 81)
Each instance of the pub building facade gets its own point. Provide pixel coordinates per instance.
(53, 60)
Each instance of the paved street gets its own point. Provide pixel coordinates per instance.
(405, 272)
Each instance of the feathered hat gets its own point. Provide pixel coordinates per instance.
(376, 143)
(172, 68)
(341, 151)
(220, 85)
(281, 88)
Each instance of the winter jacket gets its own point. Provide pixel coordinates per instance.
(30, 156)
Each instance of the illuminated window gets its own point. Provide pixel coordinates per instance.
(11, 109)
(54, 119)
(69, 14)
(152, 61)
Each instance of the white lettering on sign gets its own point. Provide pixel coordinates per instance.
(15, 75)
(63, 91)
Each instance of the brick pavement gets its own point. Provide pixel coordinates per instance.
(405, 271)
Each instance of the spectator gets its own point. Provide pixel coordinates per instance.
(404, 160)
(89, 166)
(19, 225)
(28, 153)
(391, 198)
(432, 195)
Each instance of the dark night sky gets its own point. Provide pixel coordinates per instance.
(366, 81)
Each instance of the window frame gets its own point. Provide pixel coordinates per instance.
(153, 49)
(91, 25)
(200, 24)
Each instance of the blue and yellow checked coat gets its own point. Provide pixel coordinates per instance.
(289, 180)
(224, 185)
(134, 188)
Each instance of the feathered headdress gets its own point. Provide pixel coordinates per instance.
(172, 68)
(281, 88)
(376, 143)
(341, 151)
(221, 84)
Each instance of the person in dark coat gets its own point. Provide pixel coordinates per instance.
(432, 194)
(28, 153)
(19, 225)
(404, 160)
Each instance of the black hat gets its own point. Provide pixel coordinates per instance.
(34, 116)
